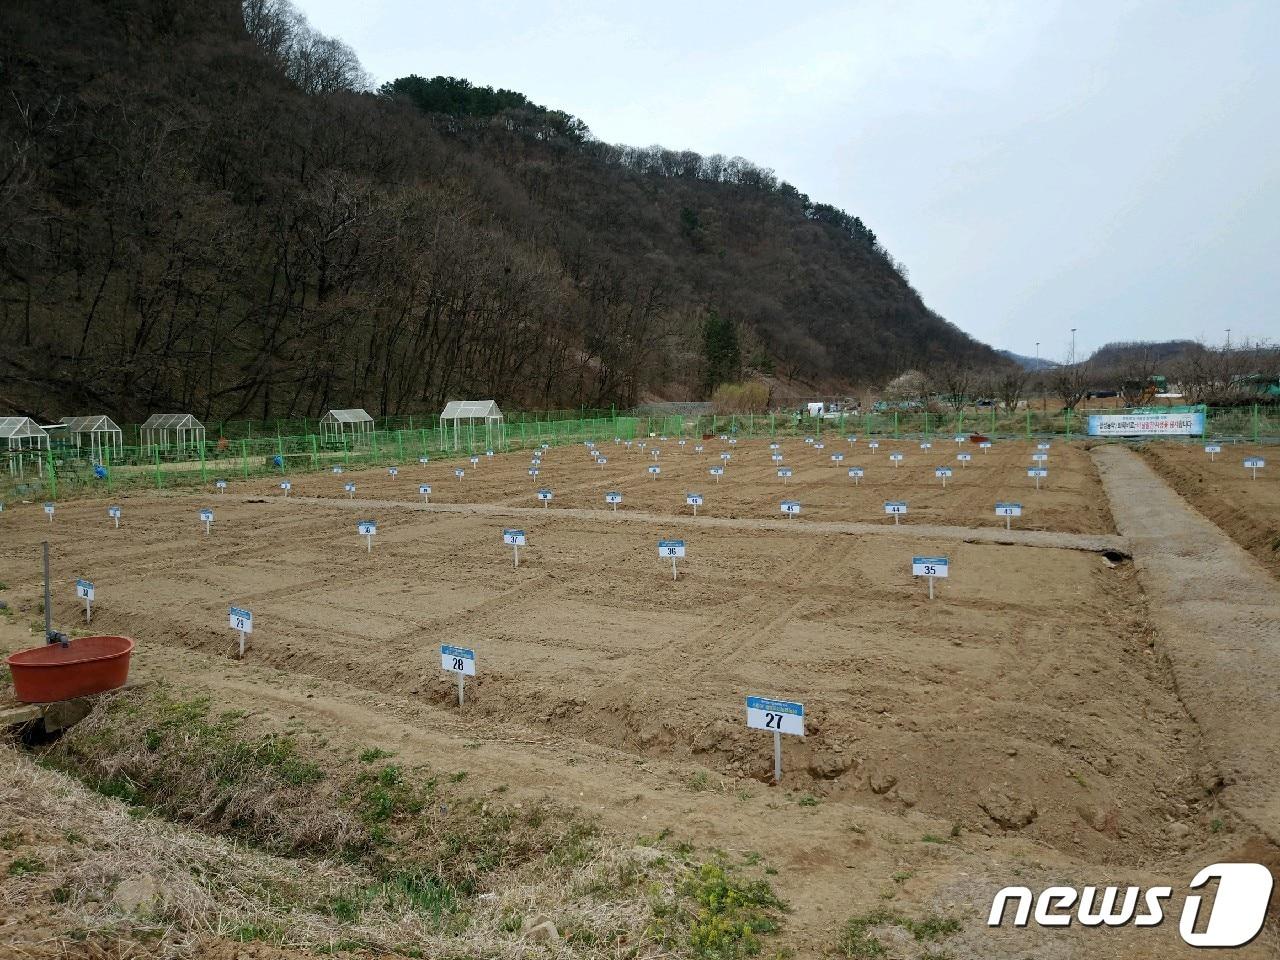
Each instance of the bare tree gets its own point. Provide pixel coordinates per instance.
(1069, 384)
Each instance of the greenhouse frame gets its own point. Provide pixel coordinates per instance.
(165, 430)
(458, 412)
(23, 440)
(340, 424)
(99, 433)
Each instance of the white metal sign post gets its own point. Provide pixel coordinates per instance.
(856, 474)
(897, 508)
(674, 549)
(1038, 473)
(1212, 449)
(460, 661)
(459, 473)
(964, 458)
(874, 445)
(613, 498)
(114, 514)
(337, 471)
(926, 445)
(984, 446)
(1253, 465)
(242, 623)
(778, 717)
(366, 529)
(929, 567)
(221, 485)
(393, 471)
(837, 458)
(286, 486)
(654, 471)
(959, 439)
(48, 509)
(1008, 510)
(207, 516)
(943, 472)
(717, 472)
(896, 458)
(515, 540)
(791, 508)
(785, 474)
(694, 500)
(84, 590)
(351, 490)
(475, 461)
(1039, 458)
(545, 496)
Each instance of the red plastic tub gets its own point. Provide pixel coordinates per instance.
(54, 672)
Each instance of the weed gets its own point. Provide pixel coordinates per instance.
(698, 782)
(374, 754)
(458, 777)
(859, 942)
(808, 800)
(23, 866)
(933, 838)
(730, 914)
(1077, 778)
(1215, 825)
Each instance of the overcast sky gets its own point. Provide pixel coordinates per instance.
(1110, 166)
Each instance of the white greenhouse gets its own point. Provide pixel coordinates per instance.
(165, 430)
(355, 424)
(98, 435)
(22, 440)
(470, 413)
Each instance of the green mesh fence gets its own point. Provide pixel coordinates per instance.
(63, 472)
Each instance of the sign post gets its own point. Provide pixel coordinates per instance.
(943, 472)
(242, 623)
(778, 717)
(48, 509)
(366, 529)
(1008, 510)
(613, 498)
(545, 495)
(964, 459)
(654, 471)
(929, 567)
(515, 540)
(856, 474)
(673, 549)
(221, 486)
(896, 458)
(351, 490)
(791, 508)
(694, 500)
(1212, 449)
(114, 514)
(207, 516)
(460, 661)
(1038, 473)
(717, 472)
(785, 474)
(286, 486)
(1253, 465)
(84, 590)
(897, 508)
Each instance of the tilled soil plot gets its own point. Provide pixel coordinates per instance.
(1247, 509)
(1070, 499)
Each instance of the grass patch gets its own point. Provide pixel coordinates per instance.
(858, 941)
(24, 866)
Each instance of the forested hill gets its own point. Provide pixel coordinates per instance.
(206, 208)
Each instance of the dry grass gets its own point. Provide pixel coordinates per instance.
(299, 860)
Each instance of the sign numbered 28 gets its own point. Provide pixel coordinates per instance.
(458, 660)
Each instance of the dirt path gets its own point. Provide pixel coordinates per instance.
(1217, 611)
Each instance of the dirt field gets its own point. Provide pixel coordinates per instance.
(1020, 725)
(1223, 490)
(1070, 499)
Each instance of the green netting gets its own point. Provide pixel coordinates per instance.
(65, 471)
